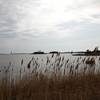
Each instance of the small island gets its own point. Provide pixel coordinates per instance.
(54, 52)
(38, 52)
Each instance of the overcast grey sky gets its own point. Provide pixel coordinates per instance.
(63, 25)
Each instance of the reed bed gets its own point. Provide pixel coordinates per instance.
(59, 79)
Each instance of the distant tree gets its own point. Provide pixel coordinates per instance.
(88, 50)
(71, 51)
(54, 52)
(96, 49)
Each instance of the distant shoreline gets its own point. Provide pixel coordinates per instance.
(79, 53)
(86, 53)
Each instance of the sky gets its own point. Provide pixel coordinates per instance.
(62, 25)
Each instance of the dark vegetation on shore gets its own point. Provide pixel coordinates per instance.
(88, 52)
(61, 81)
(95, 52)
(38, 52)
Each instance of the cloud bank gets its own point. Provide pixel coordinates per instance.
(27, 24)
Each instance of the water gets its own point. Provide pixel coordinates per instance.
(15, 65)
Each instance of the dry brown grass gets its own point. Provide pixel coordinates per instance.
(83, 87)
(71, 86)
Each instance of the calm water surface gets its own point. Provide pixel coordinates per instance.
(16, 64)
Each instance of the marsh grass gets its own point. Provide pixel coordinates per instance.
(61, 80)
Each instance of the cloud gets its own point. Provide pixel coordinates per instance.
(43, 16)
(8, 35)
(56, 20)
